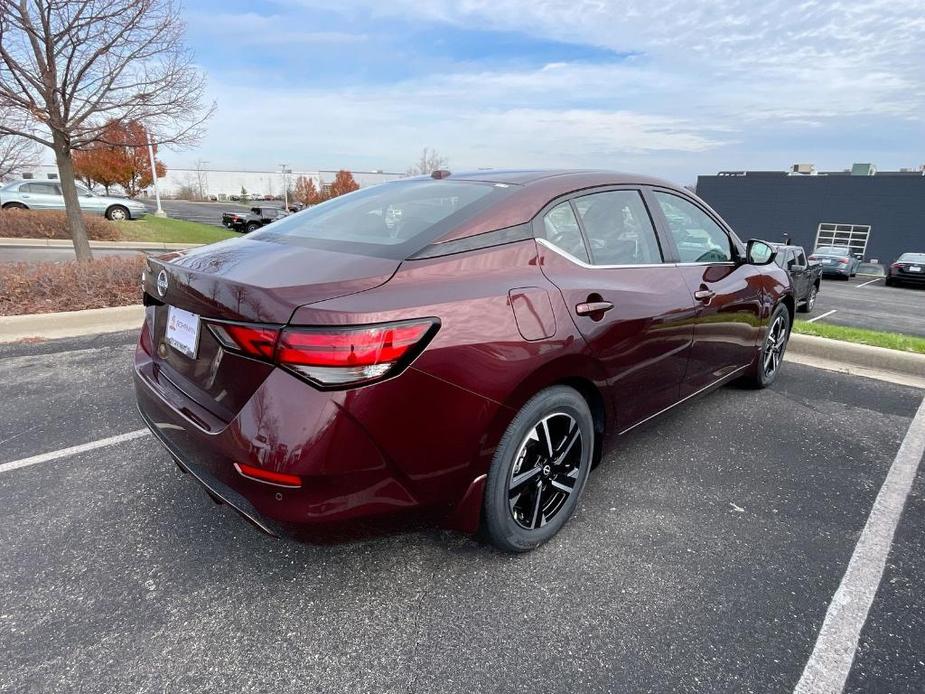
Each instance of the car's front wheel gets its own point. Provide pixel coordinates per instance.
(539, 470)
(771, 356)
(117, 213)
(253, 226)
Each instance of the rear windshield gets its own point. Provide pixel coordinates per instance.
(391, 220)
(912, 258)
(831, 250)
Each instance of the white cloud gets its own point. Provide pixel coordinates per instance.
(709, 84)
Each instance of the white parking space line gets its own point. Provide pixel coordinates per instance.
(72, 450)
(831, 659)
(870, 282)
(822, 315)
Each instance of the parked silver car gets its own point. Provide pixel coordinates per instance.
(46, 195)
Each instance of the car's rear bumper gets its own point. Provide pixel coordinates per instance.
(909, 278)
(836, 272)
(355, 459)
(217, 490)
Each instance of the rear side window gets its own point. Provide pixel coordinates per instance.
(561, 230)
(390, 220)
(699, 239)
(41, 188)
(618, 228)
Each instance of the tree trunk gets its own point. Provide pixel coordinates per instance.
(75, 221)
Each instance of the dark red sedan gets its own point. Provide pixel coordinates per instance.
(464, 346)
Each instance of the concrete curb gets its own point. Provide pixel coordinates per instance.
(51, 326)
(102, 245)
(907, 368)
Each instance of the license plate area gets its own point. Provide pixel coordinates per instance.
(182, 331)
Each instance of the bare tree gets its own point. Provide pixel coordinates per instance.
(428, 162)
(16, 152)
(68, 67)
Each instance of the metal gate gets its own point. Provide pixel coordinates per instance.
(854, 236)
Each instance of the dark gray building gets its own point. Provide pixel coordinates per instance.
(880, 214)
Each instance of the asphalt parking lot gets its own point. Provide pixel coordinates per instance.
(206, 212)
(865, 302)
(703, 558)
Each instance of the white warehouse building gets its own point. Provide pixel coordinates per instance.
(223, 183)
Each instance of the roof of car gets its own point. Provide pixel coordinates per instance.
(528, 176)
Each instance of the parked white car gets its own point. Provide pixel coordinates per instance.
(46, 195)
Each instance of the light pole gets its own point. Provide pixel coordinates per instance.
(160, 210)
(285, 171)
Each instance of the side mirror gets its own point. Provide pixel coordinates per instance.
(759, 253)
(797, 268)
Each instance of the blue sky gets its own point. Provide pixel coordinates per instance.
(674, 89)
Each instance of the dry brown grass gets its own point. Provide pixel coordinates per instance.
(70, 286)
(46, 224)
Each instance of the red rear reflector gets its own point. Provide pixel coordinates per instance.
(280, 479)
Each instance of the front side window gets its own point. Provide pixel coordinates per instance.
(618, 228)
(801, 258)
(561, 229)
(699, 239)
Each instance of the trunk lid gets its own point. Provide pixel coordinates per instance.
(248, 281)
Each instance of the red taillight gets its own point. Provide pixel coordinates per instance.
(843, 260)
(280, 479)
(340, 356)
(255, 340)
(331, 357)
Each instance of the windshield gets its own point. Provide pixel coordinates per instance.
(912, 258)
(389, 220)
(831, 250)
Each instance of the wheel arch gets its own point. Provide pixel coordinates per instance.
(787, 300)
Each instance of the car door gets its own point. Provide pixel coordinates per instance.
(729, 292)
(799, 273)
(42, 195)
(634, 310)
(90, 202)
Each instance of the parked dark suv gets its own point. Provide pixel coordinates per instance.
(460, 346)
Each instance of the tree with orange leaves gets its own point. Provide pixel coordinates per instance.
(343, 183)
(120, 157)
(305, 191)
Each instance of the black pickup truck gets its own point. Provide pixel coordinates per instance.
(251, 221)
(805, 275)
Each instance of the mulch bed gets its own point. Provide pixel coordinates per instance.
(70, 286)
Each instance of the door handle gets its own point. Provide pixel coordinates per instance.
(589, 307)
(704, 294)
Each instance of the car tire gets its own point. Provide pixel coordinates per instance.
(538, 471)
(15, 206)
(117, 213)
(889, 282)
(776, 338)
(807, 305)
(251, 227)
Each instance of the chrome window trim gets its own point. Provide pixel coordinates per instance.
(589, 266)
